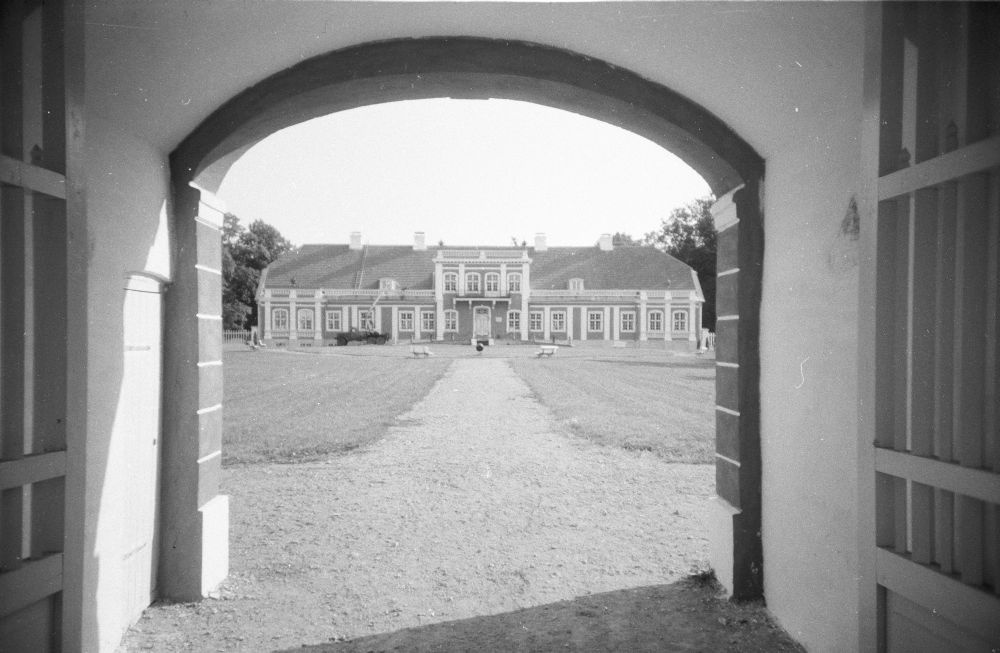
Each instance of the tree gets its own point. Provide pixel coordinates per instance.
(622, 239)
(245, 253)
(688, 234)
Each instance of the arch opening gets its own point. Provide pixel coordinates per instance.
(467, 68)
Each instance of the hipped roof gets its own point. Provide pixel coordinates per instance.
(338, 267)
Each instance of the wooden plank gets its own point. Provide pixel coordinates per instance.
(971, 607)
(970, 320)
(968, 160)
(882, 307)
(901, 341)
(922, 322)
(32, 469)
(991, 383)
(969, 539)
(885, 523)
(32, 177)
(922, 522)
(34, 581)
(944, 321)
(944, 530)
(900, 514)
(977, 483)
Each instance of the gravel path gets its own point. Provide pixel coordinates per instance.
(476, 503)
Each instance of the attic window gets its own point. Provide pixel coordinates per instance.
(576, 284)
(388, 284)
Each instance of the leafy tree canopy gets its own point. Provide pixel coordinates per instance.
(688, 234)
(245, 253)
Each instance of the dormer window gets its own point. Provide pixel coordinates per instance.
(388, 284)
(576, 284)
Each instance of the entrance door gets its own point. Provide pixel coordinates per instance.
(137, 428)
(481, 326)
(930, 380)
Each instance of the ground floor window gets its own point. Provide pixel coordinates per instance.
(628, 321)
(514, 320)
(333, 320)
(595, 321)
(655, 321)
(406, 320)
(279, 319)
(427, 321)
(305, 319)
(680, 320)
(451, 320)
(558, 319)
(535, 321)
(365, 320)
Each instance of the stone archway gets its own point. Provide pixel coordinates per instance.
(469, 68)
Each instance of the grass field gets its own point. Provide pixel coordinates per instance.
(285, 407)
(664, 404)
(282, 407)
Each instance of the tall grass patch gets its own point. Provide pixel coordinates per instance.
(662, 404)
(284, 407)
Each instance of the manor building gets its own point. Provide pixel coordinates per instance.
(420, 293)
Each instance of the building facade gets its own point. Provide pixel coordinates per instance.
(527, 294)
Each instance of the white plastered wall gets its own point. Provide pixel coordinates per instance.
(127, 194)
(786, 77)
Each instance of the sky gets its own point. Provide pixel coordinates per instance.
(466, 172)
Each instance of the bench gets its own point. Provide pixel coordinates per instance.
(546, 350)
(420, 350)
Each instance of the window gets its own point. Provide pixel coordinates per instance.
(333, 320)
(427, 321)
(305, 319)
(406, 320)
(595, 321)
(450, 282)
(558, 319)
(471, 282)
(628, 321)
(513, 321)
(680, 320)
(576, 284)
(535, 320)
(492, 282)
(365, 320)
(451, 320)
(279, 319)
(514, 282)
(387, 284)
(655, 320)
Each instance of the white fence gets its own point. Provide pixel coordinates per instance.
(235, 335)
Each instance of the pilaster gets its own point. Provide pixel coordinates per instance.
(317, 319)
(641, 316)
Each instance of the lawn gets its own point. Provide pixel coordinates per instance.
(283, 407)
(659, 403)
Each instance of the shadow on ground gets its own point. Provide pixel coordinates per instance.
(682, 616)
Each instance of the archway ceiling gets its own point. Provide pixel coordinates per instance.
(466, 68)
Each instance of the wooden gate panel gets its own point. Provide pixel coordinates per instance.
(934, 405)
(34, 333)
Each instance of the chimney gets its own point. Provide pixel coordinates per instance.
(540, 245)
(355, 240)
(419, 243)
(605, 243)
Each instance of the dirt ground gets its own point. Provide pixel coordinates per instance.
(477, 524)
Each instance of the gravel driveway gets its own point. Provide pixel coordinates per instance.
(476, 503)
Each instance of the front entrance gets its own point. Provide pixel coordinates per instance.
(481, 322)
